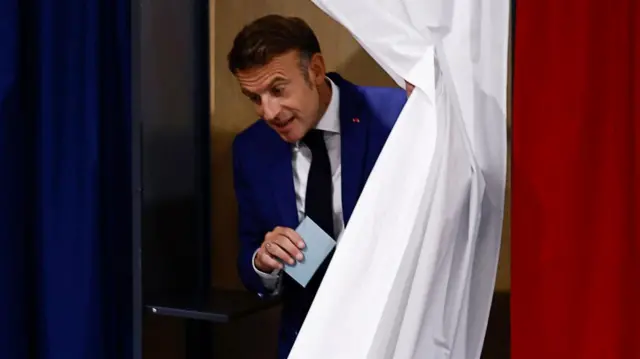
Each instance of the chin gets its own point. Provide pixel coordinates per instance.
(290, 138)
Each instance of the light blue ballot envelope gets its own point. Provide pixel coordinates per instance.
(318, 245)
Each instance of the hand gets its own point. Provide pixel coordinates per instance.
(280, 245)
(409, 88)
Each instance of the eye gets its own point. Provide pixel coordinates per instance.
(255, 99)
(277, 91)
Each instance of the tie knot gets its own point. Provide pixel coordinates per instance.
(314, 139)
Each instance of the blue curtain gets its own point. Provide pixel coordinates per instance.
(65, 197)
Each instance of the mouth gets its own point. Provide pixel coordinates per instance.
(284, 124)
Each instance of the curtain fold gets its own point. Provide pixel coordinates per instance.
(16, 176)
(65, 172)
(576, 162)
(414, 272)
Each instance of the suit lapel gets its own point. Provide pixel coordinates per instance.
(353, 140)
(281, 176)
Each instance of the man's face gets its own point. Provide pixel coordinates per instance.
(282, 96)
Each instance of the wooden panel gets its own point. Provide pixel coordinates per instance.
(503, 278)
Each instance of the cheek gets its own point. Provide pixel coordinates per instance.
(304, 106)
(310, 107)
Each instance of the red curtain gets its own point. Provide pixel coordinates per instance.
(576, 178)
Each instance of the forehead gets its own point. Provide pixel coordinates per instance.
(258, 79)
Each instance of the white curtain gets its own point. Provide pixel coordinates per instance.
(414, 272)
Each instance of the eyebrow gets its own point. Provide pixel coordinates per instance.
(273, 82)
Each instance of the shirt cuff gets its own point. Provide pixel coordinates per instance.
(271, 280)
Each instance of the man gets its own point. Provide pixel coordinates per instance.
(310, 154)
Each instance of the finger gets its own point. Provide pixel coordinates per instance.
(409, 87)
(268, 261)
(275, 249)
(293, 236)
(288, 245)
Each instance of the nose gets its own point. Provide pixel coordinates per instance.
(270, 108)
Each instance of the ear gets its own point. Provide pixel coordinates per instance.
(317, 69)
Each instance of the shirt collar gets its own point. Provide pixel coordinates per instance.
(330, 121)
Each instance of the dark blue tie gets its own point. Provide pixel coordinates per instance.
(319, 196)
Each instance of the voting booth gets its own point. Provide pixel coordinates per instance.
(187, 108)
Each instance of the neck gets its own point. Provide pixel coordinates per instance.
(325, 92)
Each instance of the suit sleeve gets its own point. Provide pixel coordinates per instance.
(250, 231)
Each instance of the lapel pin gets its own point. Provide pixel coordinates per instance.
(356, 120)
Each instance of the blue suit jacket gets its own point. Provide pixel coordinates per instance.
(263, 180)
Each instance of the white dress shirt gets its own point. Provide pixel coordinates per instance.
(301, 160)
